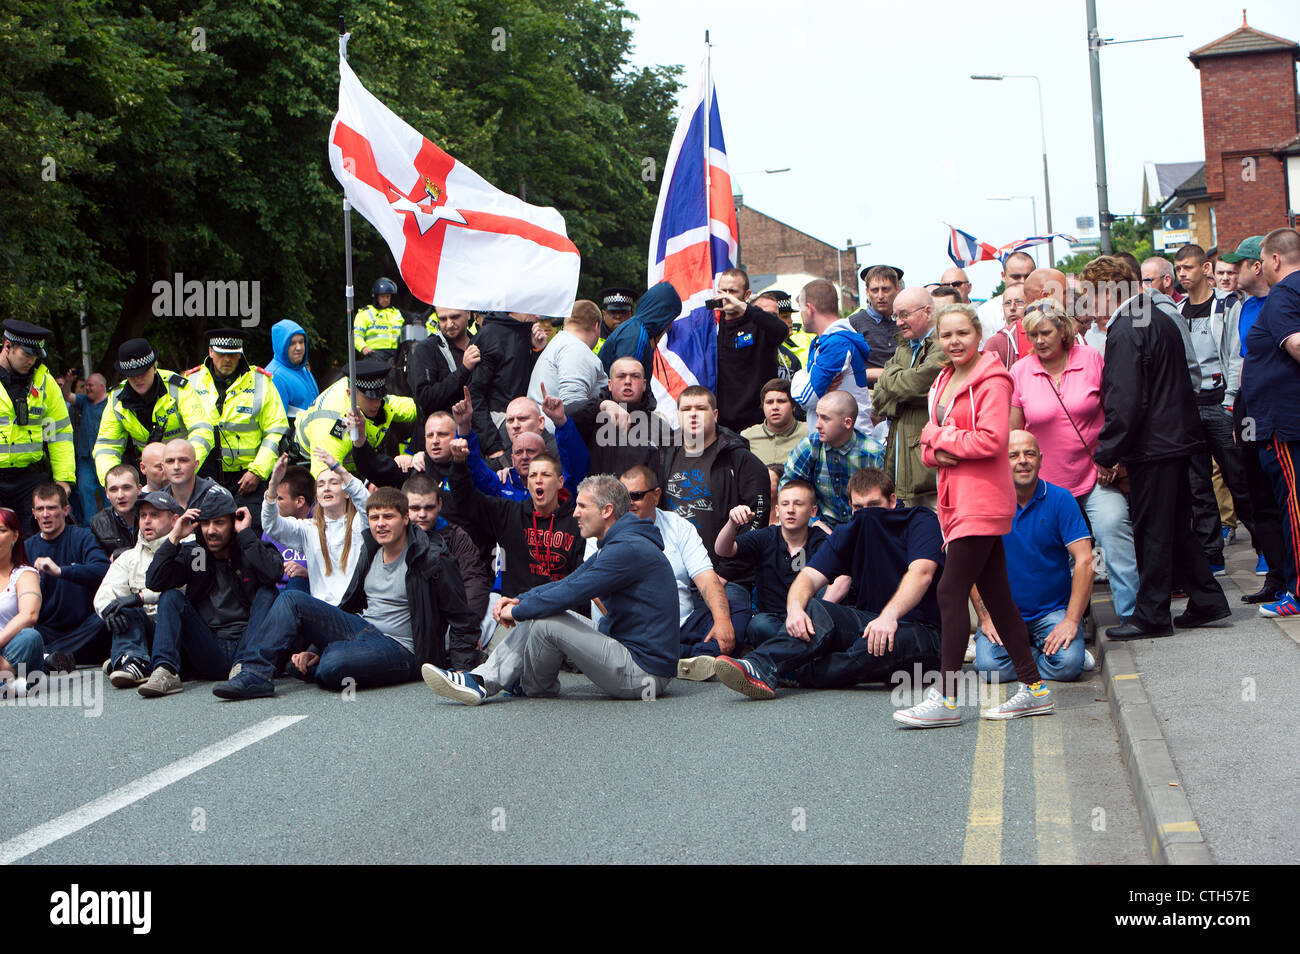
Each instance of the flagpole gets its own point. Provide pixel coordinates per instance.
(347, 248)
(708, 184)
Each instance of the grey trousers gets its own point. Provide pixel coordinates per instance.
(534, 651)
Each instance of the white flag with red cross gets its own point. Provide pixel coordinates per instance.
(459, 242)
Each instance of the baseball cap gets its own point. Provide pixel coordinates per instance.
(1249, 248)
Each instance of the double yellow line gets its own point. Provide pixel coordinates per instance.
(983, 844)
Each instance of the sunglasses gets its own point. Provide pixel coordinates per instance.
(640, 494)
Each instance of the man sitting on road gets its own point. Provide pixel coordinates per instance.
(404, 596)
(115, 526)
(72, 565)
(424, 503)
(183, 483)
(126, 605)
(211, 590)
(705, 630)
(1046, 533)
(895, 554)
(634, 653)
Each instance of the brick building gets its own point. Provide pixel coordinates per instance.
(1251, 113)
(770, 247)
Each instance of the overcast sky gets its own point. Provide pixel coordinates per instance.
(887, 138)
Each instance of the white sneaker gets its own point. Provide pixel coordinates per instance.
(696, 668)
(970, 650)
(1089, 661)
(1023, 703)
(932, 713)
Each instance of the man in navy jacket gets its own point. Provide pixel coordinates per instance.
(633, 654)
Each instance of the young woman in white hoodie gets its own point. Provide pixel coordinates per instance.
(331, 537)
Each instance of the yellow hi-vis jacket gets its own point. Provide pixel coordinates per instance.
(377, 329)
(251, 422)
(322, 425)
(178, 413)
(22, 445)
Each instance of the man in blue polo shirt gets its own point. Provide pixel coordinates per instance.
(895, 555)
(1047, 530)
(1271, 382)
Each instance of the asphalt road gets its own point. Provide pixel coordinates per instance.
(700, 775)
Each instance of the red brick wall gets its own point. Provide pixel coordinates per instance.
(1250, 208)
(1248, 104)
(771, 247)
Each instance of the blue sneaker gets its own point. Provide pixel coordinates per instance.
(1261, 566)
(245, 685)
(1286, 606)
(458, 686)
(1229, 535)
(1218, 569)
(740, 675)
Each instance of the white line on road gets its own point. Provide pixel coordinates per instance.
(72, 822)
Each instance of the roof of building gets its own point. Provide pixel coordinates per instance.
(1191, 188)
(1288, 147)
(1245, 39)
(1162, 179)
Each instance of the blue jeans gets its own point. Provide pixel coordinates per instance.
(350, 647)
(136, 641)
(1064, 665)
(181, 634)
(1107, 511)
(87, 643)
(25, 651)
(87, 493)
(836, 655)
(695, 631)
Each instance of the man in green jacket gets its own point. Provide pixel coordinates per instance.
(900, 395)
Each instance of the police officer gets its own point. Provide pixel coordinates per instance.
(150, 405)
(324, 426)
(33, 414)
(248, 414)
(615, 308)
(377, 329)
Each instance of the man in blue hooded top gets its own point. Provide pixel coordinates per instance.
(289, 371)
(636, 336)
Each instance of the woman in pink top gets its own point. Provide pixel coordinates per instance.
(966, 438)
(22, 651)
(1057, 398)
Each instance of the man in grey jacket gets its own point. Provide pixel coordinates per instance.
(1211, 322)
(634, 652)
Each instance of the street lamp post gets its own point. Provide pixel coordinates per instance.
(1042, 129)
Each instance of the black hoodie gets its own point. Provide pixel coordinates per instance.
(537, 549)
(503, 372)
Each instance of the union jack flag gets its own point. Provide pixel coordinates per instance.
(965, 249)
(693, 241)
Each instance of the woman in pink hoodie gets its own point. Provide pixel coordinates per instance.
(966, 438)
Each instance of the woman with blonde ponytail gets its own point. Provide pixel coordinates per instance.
(331, 537)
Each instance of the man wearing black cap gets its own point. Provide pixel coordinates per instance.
(615, 308)
(151, 405)
(324, 425)
(229, 578)
(32, 415)
(248, 415)
(126, 605)
(875, 319)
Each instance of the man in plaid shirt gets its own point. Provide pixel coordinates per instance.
(830, 457)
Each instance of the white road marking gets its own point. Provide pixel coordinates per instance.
(72, 822)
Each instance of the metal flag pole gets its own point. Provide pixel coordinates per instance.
(708, 184)
(347, 248)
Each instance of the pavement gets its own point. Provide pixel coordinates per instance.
(1207, 720)
(701, 775)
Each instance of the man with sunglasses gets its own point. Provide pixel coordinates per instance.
(956, 278)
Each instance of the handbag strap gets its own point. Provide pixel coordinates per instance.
(1061, 401)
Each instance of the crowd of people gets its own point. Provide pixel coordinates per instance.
(922, 483)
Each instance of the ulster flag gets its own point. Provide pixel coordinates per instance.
(459, 242)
